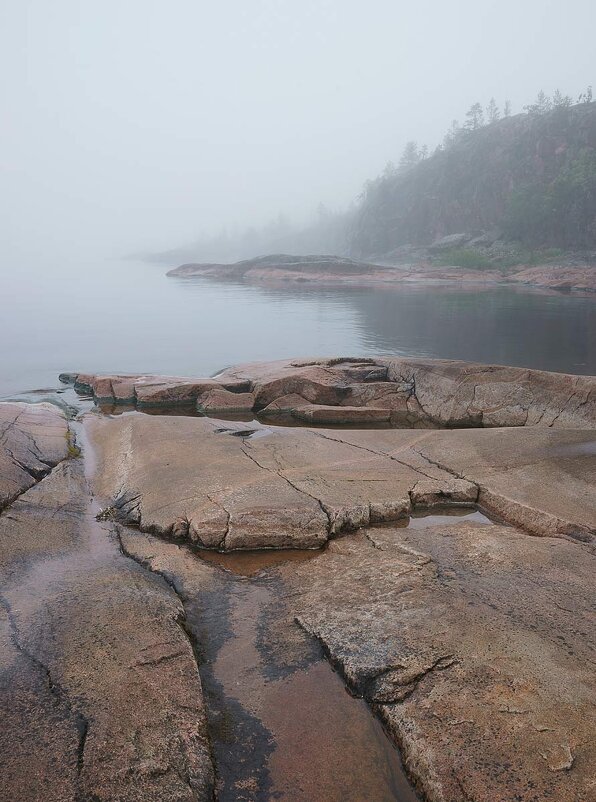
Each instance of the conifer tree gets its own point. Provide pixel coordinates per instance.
(475, 117)
(492, 111)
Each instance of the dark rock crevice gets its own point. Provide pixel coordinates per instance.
(279, 473)
(169, 582)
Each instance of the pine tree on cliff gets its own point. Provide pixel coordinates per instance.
(585, 97)
(561, 101)
(475, 117)
(452, 135)
(541, 105)
(507, 109)
(492, 111)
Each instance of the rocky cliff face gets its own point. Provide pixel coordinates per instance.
(532, 176)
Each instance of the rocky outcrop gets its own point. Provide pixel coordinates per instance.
(558, 278)
(281, 266)
(471, 640)
(99, 692)
(474, 645)
(243, 487)
(417, 266)
(409, 393)
(33, 439)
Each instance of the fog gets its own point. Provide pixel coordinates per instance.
(141, 125)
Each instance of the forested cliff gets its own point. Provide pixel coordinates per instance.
(531, 177)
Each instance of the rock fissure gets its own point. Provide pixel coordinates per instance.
(279, 473)
(380, 688)
(181, 622)
(376, 453)
(5, 506)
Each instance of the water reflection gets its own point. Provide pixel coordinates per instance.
(503, 325)
(129, 317)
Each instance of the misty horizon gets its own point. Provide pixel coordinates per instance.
(140, 127)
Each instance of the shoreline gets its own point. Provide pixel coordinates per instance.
(560, 278)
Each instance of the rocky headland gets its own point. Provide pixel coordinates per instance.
(412, 265)
(186, 593)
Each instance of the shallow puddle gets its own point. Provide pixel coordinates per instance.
(282, 724)
(443, 516)
(248, 563)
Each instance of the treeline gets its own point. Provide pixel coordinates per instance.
(531, 176)
(477, 117)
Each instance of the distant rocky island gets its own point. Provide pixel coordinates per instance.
(410, 265)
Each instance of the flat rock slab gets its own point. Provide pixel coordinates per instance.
(232, 487)
(407, 393)
(475, 644)
(33, 439)
(546, 484)
(100, 696)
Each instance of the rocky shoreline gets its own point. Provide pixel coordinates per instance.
(334, 271)
(436, 548)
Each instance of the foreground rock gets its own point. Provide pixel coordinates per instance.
(335, 270)
(408, 393)
(33, 439)
(473, 643)
(100, 696)
(235, 487)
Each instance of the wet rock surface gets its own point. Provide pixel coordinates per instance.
(282, 725)
(467, 643)
(33, 439)
(406, 393)
(232, 487)
(471, 641)
(475, 646)
(100, 695)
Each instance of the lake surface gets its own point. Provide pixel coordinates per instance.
(127, 316)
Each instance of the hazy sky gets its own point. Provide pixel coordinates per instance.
(134, 124)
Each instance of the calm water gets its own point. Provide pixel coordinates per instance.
(127, 316)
